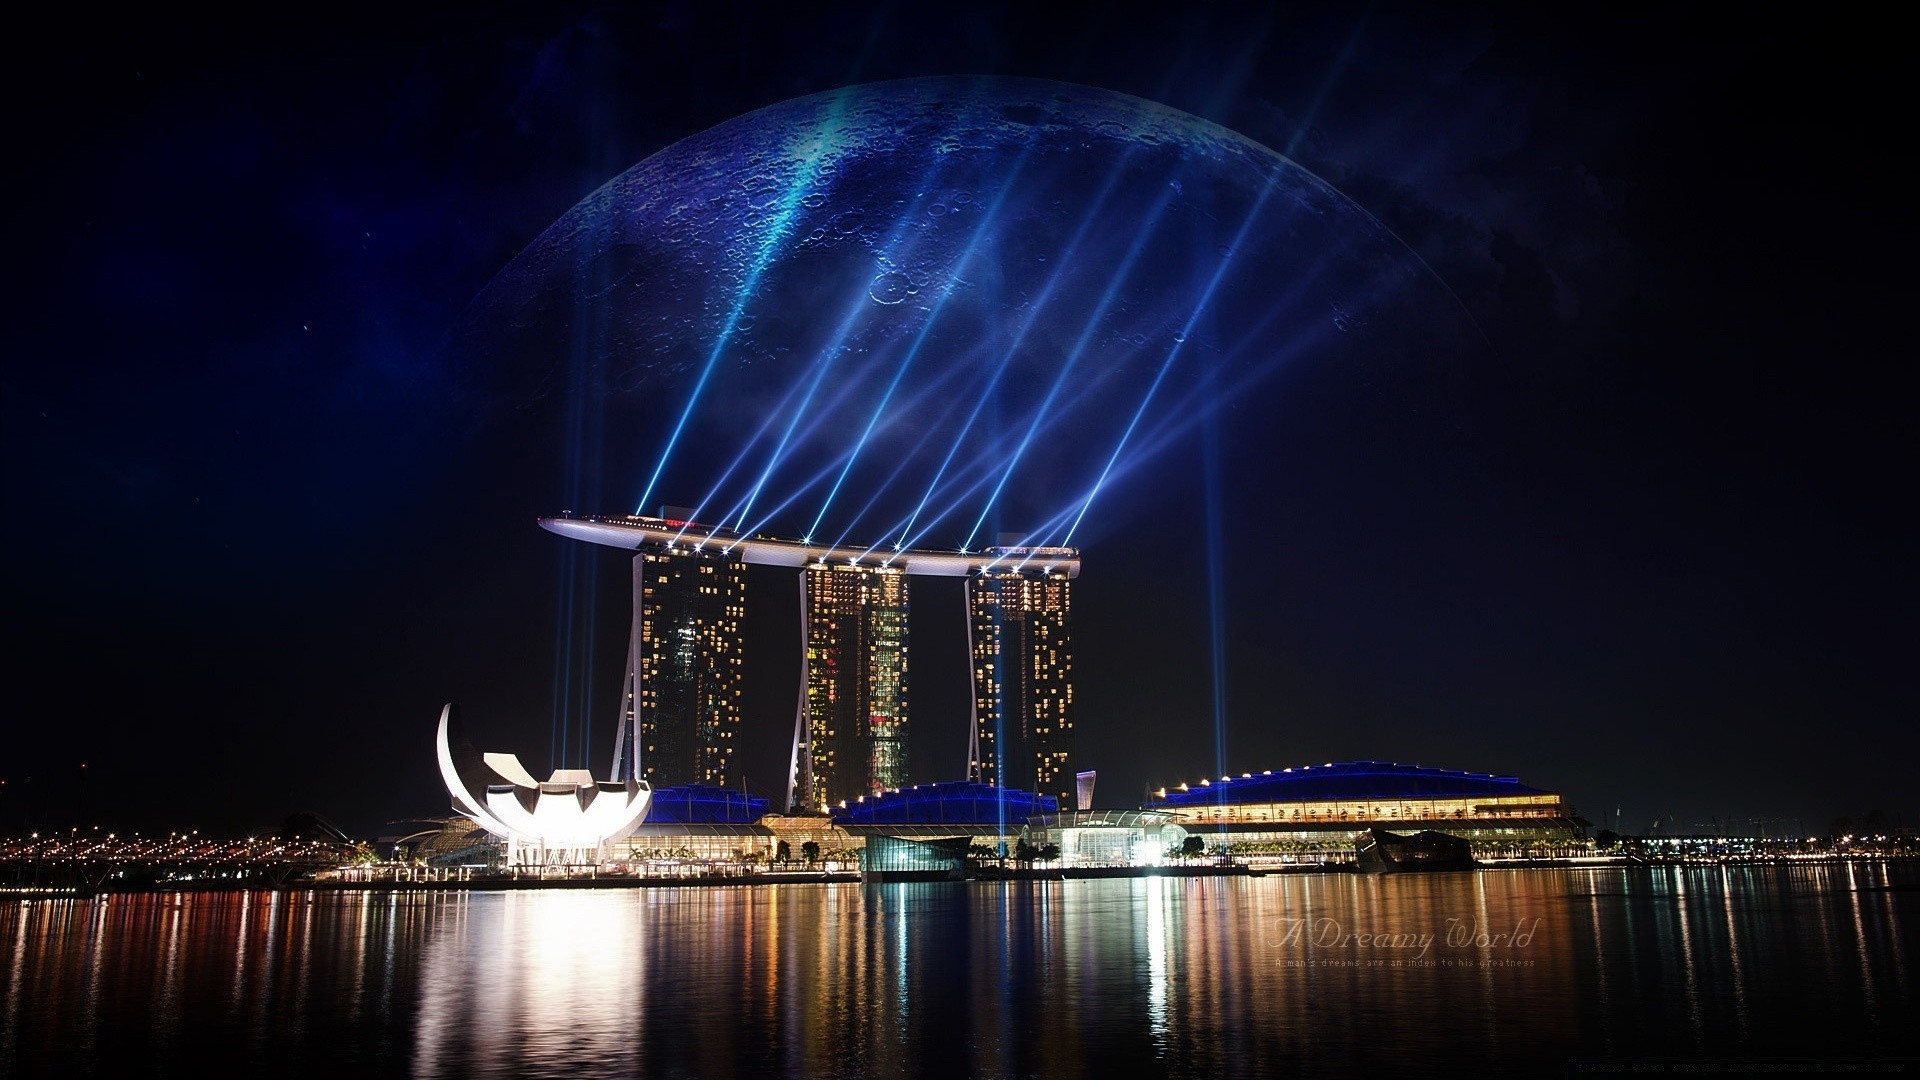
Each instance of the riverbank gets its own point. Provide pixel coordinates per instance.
(417, 879)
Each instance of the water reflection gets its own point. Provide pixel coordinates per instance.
(1155, 900)
(1519, 970)
(509, 977)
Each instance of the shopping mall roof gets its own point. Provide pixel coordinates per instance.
(1345, 780)
(954, 802)
(704, 804)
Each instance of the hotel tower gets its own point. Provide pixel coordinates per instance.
(855, 706)
(1021, 629)
(681, 699)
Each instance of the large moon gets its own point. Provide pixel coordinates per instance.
(922, 310)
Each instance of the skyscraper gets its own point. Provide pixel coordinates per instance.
(680, 700)
(853, 738)
(1022, 644)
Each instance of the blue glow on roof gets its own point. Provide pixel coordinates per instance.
(956, 802)
(704, 804)
(1344, 781)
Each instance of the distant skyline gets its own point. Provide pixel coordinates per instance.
(1646, 548)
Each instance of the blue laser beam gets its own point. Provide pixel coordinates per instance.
(824, 419)
(1339, 65)
(776, 233)
(1188, 411)
(908, 458)
(585, 431)
(805, 422)
(1180, 342)
(1180, 419)
(989, 218)
(819, 477)
(1039, 304)
(1216, 584)
(741, 457)
(859, 305)
(831, 352)
(1114, 282)
(982, 463)
(820, 367)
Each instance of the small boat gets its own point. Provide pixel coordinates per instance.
(1377, 851)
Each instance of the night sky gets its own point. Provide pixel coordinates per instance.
(263, 521)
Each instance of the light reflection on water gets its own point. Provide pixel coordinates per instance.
(1177, 975)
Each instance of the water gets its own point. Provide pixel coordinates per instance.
(1526, 972)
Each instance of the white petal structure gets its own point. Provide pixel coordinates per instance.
(567, 819)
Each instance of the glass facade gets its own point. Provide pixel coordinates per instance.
(1108, 838)
(680, 702)
(1022, 645)
(690, 843)
(944, 856)
(857, 694)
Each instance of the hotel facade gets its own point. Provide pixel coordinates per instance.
(681, 696)
(854, 711)
(1020, 620)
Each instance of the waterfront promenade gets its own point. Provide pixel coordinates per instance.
(73, 865)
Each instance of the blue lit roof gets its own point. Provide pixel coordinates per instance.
(1346, 780)
(953, 802)
(704, 804)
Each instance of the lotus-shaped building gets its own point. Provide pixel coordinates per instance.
(568, 819)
